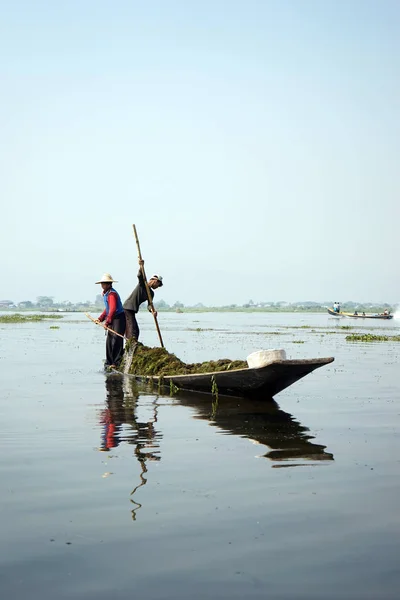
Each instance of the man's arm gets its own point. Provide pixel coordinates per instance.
(150, 306)
(140, 273)
(151, 309)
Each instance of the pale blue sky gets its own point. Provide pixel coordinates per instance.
(255, 144)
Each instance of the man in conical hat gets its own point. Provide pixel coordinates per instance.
(113, 316)
(137, 297)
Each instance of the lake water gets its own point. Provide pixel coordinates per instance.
(111, 491)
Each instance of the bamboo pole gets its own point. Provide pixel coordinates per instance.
(150, 299)
(104, 326)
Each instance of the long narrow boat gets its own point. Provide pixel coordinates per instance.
(358, 316)
(266, 381)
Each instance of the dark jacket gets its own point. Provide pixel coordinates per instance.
(138, 296)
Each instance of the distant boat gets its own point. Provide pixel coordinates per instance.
(358, 315)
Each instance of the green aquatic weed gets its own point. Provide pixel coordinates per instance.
(18, 318)
(159, 362)
(214, 392)
(369, 337)
(173, 389)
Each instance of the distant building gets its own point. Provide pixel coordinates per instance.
(6, 304)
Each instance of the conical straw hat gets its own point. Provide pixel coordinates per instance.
(106, 278)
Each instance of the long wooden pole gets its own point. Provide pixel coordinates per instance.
(147, 287)
(104, 326)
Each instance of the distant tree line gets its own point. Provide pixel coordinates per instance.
(47, 303)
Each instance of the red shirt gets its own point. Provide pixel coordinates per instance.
(112, 307)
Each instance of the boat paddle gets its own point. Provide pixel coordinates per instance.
(104, 326)
(150, 299)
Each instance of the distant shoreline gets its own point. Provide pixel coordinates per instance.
(211, 309)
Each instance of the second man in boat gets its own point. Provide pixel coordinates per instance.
(136, 298)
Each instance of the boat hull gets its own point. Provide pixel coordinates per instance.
(334, 313)
(265, 381)
(353, 316)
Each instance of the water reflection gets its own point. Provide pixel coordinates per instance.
(288, 443)
(262, 422)
(121, 423)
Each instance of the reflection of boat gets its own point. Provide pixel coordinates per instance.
(268, 380)
(287, 442)
(263, 423)
(358, 315)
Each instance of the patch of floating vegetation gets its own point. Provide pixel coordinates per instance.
(203, 329)
(302, 327)
(18, 318)
(158, 361)
(249, 333)
(369, 337)
(54, 327)
(297, 342)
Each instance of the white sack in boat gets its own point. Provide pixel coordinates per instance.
(262, 358)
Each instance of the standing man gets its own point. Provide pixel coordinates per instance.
(137, 297)
(113, 316)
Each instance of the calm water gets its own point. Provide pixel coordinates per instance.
(109, 491)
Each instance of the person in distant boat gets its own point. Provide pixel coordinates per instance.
(113, 316)
(355, 313)
(386, 312)
(335, 307)
(138, 296)
(363, 314)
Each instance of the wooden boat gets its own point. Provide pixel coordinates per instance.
(267, 381)
(359, 315)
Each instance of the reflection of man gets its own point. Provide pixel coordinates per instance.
(110, 415)
(119, 410)
(109, 438)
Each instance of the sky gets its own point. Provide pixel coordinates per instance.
(255, 145)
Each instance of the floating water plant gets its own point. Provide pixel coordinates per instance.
(18, 318)
(369, 337)
(214, 391)
(173, 389)
(214, 387)
(159, 362)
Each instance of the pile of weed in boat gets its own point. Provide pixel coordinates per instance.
(157, 361)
